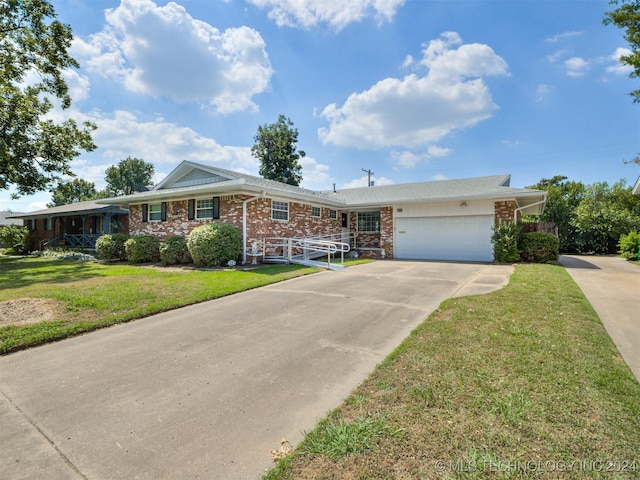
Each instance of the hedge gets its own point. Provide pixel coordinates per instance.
(214, 244)
(142, 248)
(111, 246)
(537, 247)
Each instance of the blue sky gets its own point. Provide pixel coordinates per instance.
(413, 90)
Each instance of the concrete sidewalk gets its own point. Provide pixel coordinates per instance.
(207, 391)
(612, 286)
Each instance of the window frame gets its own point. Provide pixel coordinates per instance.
(315, 210)
(369, 223)
(283, 211)
(199, 209)
(152, 211)
(333, 214)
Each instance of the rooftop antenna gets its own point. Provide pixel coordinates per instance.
(369, 173)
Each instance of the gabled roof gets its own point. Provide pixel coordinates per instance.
(205, 179)
(195, 179)
(79, 208)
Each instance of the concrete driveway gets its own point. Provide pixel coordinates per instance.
(612, 286)
(207, 391)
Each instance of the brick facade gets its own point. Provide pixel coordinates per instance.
(259, 220)
(504, 210)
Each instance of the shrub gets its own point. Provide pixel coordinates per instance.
(111, 246)
(539, 247)
(629, 246)
(505, 242)
(174, 250)
(142, 248)
(214, 244)
(17, 239)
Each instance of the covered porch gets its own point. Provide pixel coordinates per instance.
(77, 225)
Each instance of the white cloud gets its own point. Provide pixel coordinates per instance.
(576, 66)
(315, 176)
(336, 13)
(562, 36)
(542, 92)
(414, 110)
(78, 85)
(620, 68)
(409, 159)
(163, 51)
(440, 176)
(122, 134)
(362, 182)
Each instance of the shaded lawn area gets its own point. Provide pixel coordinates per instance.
(90, 295)
(522, 383)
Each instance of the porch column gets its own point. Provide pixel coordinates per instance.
(84, 231)
(106, 223)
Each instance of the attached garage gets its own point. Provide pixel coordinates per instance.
(462, 238)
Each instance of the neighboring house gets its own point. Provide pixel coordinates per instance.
(442, 220)
(6, 218)
(74, 225)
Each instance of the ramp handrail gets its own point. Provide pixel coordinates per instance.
(283, 249)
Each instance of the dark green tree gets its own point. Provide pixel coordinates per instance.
(605, 214)
(35, 150)
(276, 147)
(72, 191)
(563, 197)
(128, 176)
(627, 17)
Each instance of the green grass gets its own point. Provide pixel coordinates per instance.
(91, 295)
(521, 383)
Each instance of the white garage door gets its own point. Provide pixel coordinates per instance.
(466, 238)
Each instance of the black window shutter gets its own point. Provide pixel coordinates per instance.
(216, 207)
(192, 209)
(163, 212)
(345, 220)
(145, 212)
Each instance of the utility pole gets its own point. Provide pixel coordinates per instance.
(369, 173)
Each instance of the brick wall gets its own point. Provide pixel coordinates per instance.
(504, 210)
(259, 221)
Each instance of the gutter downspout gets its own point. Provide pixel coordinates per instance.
(244, 225)
(515, 212)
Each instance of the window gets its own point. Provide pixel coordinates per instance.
(204, 209)
(47, 224)
(155, 212)
(333, 214)
(315, 212)
(279, 210)
(368, 221)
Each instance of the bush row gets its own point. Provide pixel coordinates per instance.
(209, 245)
(511, 245)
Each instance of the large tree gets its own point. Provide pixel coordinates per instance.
(604, 214)
(563, 197)
(627, 17)
(34, 149)
(73, 191)
(276, 147)
(128, 176)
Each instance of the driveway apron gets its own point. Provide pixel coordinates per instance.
(612, 286)
(207, 391)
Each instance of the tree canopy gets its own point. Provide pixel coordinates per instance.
(276, 147)
(34, 149)
(128, 176)
(73, 191)
(627, 17)
(590, 218)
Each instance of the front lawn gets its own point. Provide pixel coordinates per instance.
(76, 297)
(521, 383)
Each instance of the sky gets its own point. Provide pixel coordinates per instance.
(412, 90)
